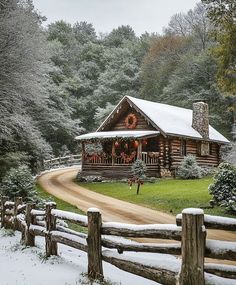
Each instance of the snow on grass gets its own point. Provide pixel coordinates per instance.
(29, 266)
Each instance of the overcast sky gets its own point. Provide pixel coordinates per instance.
(141, 15)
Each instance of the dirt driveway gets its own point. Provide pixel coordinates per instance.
(60, 184)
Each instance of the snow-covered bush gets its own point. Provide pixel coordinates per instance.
(229, 153)
(223, 187)
(139, 169)
(89, 179)
(208, 171)
(139, 174)
(19, 182)
(189, 168)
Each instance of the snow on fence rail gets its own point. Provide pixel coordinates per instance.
(162, 231)
(68, 160)
(194, 246)
(214, 222)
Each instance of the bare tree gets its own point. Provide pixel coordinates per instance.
(195, 22)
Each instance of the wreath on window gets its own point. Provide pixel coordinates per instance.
(131, 121)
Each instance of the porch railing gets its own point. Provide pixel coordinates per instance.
(149, 158)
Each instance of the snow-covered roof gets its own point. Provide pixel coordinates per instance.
(117, 134)
(170, 120)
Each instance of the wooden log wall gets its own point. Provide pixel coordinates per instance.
(116, 171)
(165, 156)
(142, 123)
(192, 147)
(162, 152)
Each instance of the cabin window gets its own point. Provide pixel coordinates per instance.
(183, 149)
(204, 149)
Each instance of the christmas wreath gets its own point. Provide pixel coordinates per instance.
(131, 121)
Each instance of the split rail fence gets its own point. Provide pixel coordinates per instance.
(68, 160)
(189, 233)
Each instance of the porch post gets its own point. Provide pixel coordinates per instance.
(139, 154)
(113, 153)
(83, 153)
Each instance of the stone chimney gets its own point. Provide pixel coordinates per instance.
(200, 120)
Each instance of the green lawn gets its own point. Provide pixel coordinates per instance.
(62, 205)
(167, 195)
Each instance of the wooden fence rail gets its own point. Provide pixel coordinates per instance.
(68, 160)
(190, 230)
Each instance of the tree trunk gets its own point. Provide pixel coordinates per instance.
(138, 188)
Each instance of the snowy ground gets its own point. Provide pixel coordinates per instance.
(28, 266)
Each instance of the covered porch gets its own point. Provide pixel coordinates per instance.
(112, 153)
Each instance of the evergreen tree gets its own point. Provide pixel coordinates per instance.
(139, 173)
(189, 169)
(19, 182)
(223, 187)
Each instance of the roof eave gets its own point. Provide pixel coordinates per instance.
(110, 115)
(196, 138)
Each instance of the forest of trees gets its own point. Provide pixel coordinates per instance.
(62, 80)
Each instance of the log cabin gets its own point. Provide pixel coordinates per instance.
(159, 134)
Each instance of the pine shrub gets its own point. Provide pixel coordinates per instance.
(139, 169)
(19, 182)
(223, 187)
(189, 168)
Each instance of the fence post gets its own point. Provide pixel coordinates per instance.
(4, 199)
(193, 247)
(51, 246)
(18, 201)
(94, 242)
(29, 219)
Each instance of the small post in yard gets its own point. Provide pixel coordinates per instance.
(51, 246)
(18, 201)
(29, 238)
(4, 199)
(193, 247)
(94, 241)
